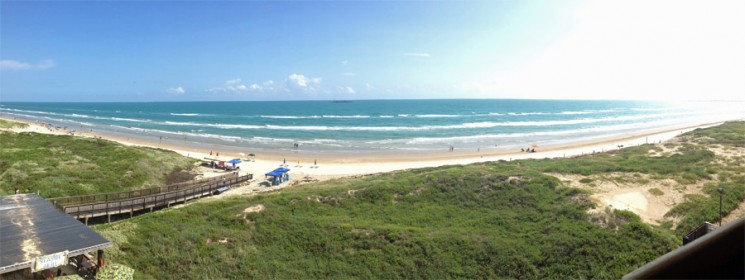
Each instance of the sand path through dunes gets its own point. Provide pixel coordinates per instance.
(632, 201)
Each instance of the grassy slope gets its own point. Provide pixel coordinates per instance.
(12, 124)
(477, 221)
(692, 162)
(492, 220)
(58, 165)
(731, 178)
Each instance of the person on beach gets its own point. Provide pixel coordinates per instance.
(18, 191)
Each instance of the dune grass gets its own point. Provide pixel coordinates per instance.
(11, 124)
(727, 134)
(493, 220)
(477, 221)
(59, 165)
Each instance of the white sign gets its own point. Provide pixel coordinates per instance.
(50, 261)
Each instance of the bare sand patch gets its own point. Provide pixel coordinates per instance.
(255, 208)
(631, 191)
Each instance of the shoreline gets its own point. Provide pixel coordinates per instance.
(342, 165)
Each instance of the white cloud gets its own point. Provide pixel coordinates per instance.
(344, 62)
(15, 65)
(231, 86)
(347, 90)
(302, 82)
(176, 90)
(417, 54)
(294, 81)
(267, 86)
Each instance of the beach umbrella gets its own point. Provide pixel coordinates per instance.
(234, 161)
(252, 155)
(242, 154)
(535, 146)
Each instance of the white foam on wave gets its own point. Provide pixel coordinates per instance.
(436, 116)
(289, 117)
(185, 114)
(270, 139)
(30, 111)
(346, 117)
(528, 113)
(179, 133)
(83, 116)
(585, 112)
(494, 136)
(128, 120)
(471, 125)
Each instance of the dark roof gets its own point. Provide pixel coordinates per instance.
(32, 227)
(719, 254)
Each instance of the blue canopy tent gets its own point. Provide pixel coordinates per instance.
(279, 175)
(282, 169)
(274, 174)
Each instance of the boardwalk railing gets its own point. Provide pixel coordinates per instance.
(151, 201)
(104, 197)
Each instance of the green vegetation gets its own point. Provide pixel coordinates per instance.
(699, 208)
(688, 166)
(55, 165)
(727, 134)
(730, 171)
(479, 221)
(495, 220)
(656, 191)
(11, 124)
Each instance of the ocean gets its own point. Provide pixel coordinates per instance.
(371, 126)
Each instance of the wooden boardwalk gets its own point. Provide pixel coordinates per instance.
(130, 202)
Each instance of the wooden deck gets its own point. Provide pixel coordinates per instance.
(130, 202)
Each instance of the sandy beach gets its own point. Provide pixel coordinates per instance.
(341, 165)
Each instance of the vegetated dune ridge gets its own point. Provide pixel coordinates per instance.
(59, 165)
(485, 220)
(484, 207)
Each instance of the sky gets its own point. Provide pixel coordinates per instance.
(105, 51)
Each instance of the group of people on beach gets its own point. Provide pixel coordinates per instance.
(528, 150)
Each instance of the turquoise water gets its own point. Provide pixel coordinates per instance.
(365, 126)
